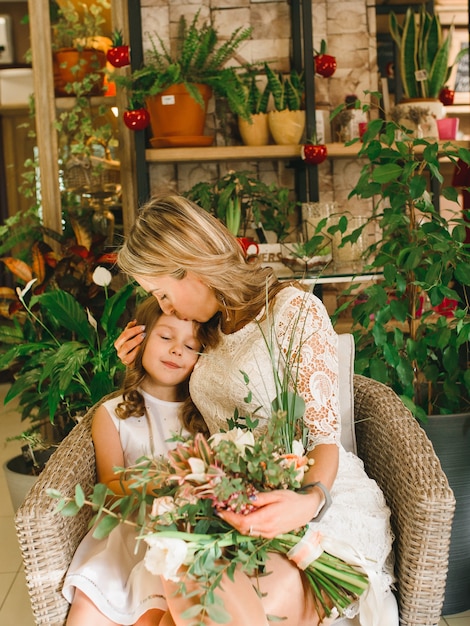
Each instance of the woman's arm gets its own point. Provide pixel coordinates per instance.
(304, 331)
(128, 341)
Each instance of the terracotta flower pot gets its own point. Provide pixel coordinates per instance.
(88, 61)
(175, 113)
(256, 131)
(287, 127)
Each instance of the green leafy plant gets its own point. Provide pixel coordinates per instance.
(59, 321)
(62, 358)
(412, 327)
(256, 98)
(73, 29)
(423, 53)
(287, 90)
(200, 57)
(240, 200)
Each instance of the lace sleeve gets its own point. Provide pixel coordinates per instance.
(304, 325)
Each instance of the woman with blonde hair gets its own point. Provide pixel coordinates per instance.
(196, 269)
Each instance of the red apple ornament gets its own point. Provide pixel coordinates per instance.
(446, 96)
(313, 153)
(325, 64)
(136, 119)
(118, 54)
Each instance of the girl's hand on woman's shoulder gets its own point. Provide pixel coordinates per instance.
(129, 341)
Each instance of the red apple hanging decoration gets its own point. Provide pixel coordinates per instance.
(313, 153)
(118, 55)
(325, 64)
(446, 96)
(136, 118)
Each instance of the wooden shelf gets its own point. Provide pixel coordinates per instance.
(240, 153)
(66, 103)
(247, 153)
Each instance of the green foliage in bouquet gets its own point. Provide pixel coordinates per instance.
(176, 498)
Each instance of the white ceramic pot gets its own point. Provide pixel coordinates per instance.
(421, 115)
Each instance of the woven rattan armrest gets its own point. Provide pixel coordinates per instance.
(48, 539)
(398, 455)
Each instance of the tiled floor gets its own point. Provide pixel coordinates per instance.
(14, 601)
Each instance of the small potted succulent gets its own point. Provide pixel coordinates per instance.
(424, 64)
(287, 120)
(246, 204)
(254, 127)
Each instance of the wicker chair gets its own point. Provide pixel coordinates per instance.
(395, 450)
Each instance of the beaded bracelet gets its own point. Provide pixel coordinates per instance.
(326, 503)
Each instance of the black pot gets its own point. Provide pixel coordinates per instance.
(450, 436)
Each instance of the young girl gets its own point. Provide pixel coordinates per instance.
(107, 583)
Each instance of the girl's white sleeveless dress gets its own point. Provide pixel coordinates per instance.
(110, 571)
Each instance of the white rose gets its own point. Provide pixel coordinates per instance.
(163, 505)
(102, 276)
(298, 448)
(165, 556)
(240, 437)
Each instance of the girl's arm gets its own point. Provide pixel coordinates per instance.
(108, 451)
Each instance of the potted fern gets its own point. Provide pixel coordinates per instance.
(186, 78)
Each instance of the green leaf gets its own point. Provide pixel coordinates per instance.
(386, 173)
(462, 273)
(68, 312)
(79, 496)
(70, 509)
(105, 526)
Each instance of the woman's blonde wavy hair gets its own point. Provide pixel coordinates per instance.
(173, 236)
(133, 404)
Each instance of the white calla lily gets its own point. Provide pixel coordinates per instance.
(102, 276)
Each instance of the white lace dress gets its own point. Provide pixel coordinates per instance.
(359, 514)
(110, 571)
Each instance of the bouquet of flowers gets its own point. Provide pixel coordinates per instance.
(174, 503)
